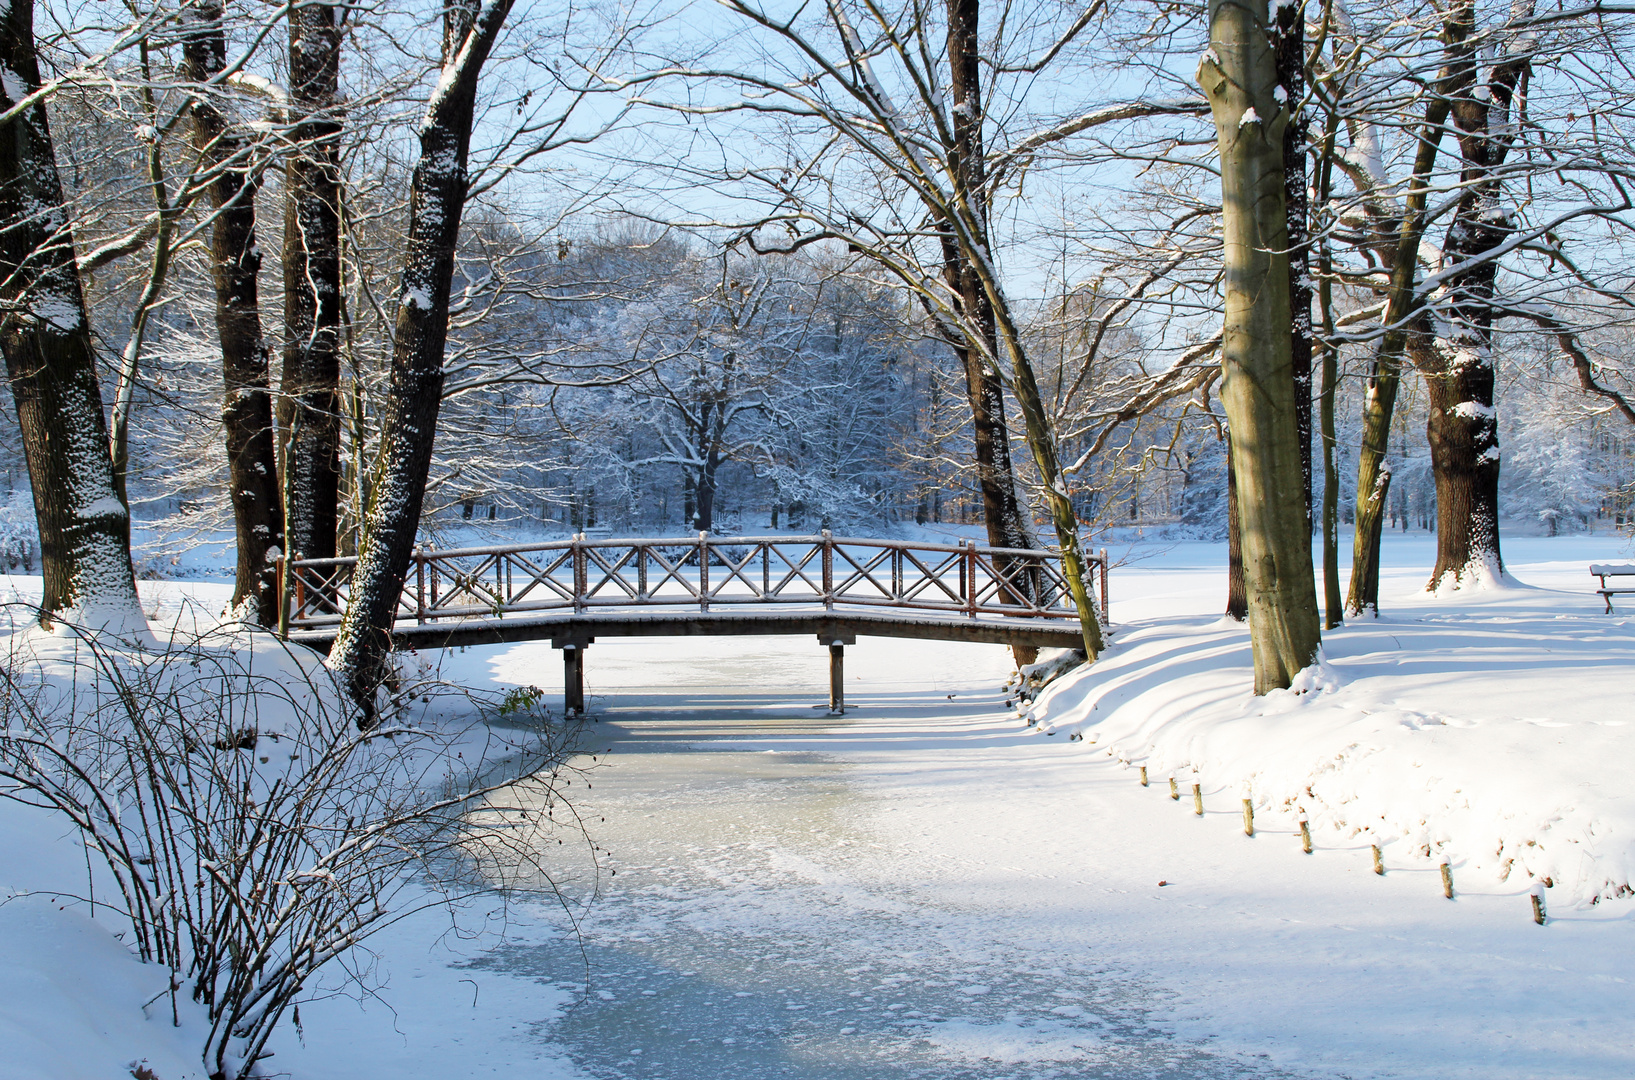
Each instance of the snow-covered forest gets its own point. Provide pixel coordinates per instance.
(1318, 312)
(620, 357)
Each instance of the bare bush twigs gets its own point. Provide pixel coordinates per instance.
(251, 832)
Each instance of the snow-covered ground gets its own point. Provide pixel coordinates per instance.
(932, 887)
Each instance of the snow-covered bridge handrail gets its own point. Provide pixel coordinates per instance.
(703, 572)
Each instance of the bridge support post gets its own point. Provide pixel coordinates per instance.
(573, 680)
(837, 678)
(837, 668)
(573, 671)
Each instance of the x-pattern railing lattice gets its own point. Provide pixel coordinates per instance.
(704, 572)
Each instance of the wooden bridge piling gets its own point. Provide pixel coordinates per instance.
(837, 669)
(573, 680)
(837, 678)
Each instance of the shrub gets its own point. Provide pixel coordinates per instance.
(253, 833)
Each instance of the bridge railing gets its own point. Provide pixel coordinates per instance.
(706, 572)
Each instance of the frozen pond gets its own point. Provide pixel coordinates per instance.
(761, 923)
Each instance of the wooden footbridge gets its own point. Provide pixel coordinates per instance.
(836, 588)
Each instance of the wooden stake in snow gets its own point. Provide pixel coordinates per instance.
(1379, 865)
(1143, 776)
(1447, 880)
(1248, 817)
(1174, 792)
(1198, 799)
(1538, 904)
(1305, 837)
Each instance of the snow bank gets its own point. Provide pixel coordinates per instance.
(78, 1005)
(1491, 729)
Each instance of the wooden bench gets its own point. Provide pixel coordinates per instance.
(1612, 570)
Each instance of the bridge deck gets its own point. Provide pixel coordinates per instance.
(568, 629)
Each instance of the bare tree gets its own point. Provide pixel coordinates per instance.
(1499, 257)
(890, 130)
(235, 264)
(1239, 77)
(309, 413)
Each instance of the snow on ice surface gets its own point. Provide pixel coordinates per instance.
(772, 864)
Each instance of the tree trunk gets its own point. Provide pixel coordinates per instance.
(1456, 357)
(409, 426)
(235, 263)
(1365, 581)
(119, 450)
(704, 490)
(1463, 432)
(309, 411)
(1290, 49)
(84, 528)
(1333, 605)
(1237, 597)
(977, 344)
(1239, 77)
(1362, 596)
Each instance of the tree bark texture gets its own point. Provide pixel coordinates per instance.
(1003, 511)
(1453, 344)
(1365, 580)
(1402, 308)
(309, 410)
(84, 527)
(1239, 77)
(409, 425)
(235, 264)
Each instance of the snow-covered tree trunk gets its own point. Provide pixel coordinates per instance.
(711, 433)
(310, 403)
(84, 527)
(1456, 355)
(1333, 602)
(1239, 77)
(437, 196)
(235, 263)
